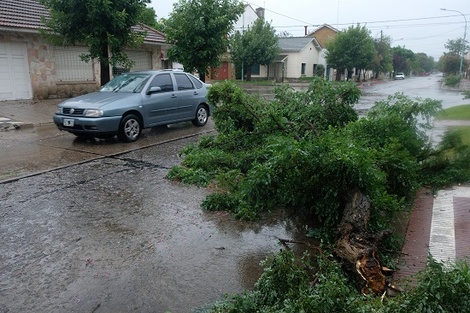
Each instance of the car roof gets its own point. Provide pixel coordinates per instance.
(155, 71)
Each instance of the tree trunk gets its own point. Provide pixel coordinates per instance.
(104, 66)
(338, 74)
(357, 246)
(248, 73)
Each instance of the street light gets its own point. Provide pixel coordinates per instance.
(464, 38)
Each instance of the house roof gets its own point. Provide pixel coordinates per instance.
(324, 26)
(295, 44)
(24, 15)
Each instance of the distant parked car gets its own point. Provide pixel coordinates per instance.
(134, 101)
(400, 75)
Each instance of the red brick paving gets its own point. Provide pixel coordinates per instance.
(416, 247)
(462, 227)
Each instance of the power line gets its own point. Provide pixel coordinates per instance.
(367, 22)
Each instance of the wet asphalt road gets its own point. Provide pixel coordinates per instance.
(105, 231)
(113, 235)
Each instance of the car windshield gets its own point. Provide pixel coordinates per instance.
(126, 83)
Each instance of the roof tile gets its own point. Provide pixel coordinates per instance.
(27, 14)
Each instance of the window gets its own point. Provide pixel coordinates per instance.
(196, 82)
(70, 67)
(183, 82)
(126, 83)
(163, 81)
(255, 69)
(302, 70)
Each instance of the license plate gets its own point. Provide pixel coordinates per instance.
(68, 122)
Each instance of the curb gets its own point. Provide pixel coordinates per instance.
(7, 125)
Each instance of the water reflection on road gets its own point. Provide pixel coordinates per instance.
(423, 87)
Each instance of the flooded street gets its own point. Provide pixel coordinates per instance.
(423, 87)
(113, 235)
(94, 226)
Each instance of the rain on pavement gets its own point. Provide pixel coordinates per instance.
(104, 231)
(114, 234)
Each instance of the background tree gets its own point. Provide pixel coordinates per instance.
(103, 26)
(402, 59)
(257, 45)
(285, 34)
(449, 63)
(148, 16)
(383, 59)
(456, 46)
(198, 30)
(423, 63)
(353, 48)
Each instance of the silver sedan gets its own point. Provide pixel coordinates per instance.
(134, 101)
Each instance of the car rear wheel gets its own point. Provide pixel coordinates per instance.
(130, 128)
(202, 114)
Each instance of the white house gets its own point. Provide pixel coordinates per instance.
(299, 57)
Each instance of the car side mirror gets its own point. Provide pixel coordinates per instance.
(154, 90)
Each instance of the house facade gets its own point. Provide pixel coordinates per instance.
(32, 68)
(323, 34)
(299, 57)
(226, 70)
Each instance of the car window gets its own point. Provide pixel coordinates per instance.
(183, 82)
(163, 81)
(126, 83)
(196, 82)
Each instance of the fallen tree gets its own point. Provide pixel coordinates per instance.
(310, 152)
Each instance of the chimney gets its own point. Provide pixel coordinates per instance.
(260, 12)
(306, 30)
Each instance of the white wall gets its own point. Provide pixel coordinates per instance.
(309, 55)
(246, 19)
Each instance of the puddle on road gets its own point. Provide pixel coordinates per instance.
(210, 254)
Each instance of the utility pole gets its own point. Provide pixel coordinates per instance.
(464, 39)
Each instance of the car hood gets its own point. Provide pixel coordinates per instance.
(97, 100)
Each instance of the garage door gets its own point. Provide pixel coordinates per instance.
(15, 82)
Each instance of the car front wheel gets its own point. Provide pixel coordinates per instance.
(202, 114)
(130, 128)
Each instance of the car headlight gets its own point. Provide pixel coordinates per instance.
(58, 110)
(93, 112)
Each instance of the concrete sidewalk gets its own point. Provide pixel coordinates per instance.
(26, 113)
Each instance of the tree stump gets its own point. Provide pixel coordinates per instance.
(357, 246)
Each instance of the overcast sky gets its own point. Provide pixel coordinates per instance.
(418, 25)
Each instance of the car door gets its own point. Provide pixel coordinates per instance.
(159, 106)
(188, 96)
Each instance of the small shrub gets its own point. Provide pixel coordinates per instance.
(440, 288)
(466, 94)
(452, 80)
